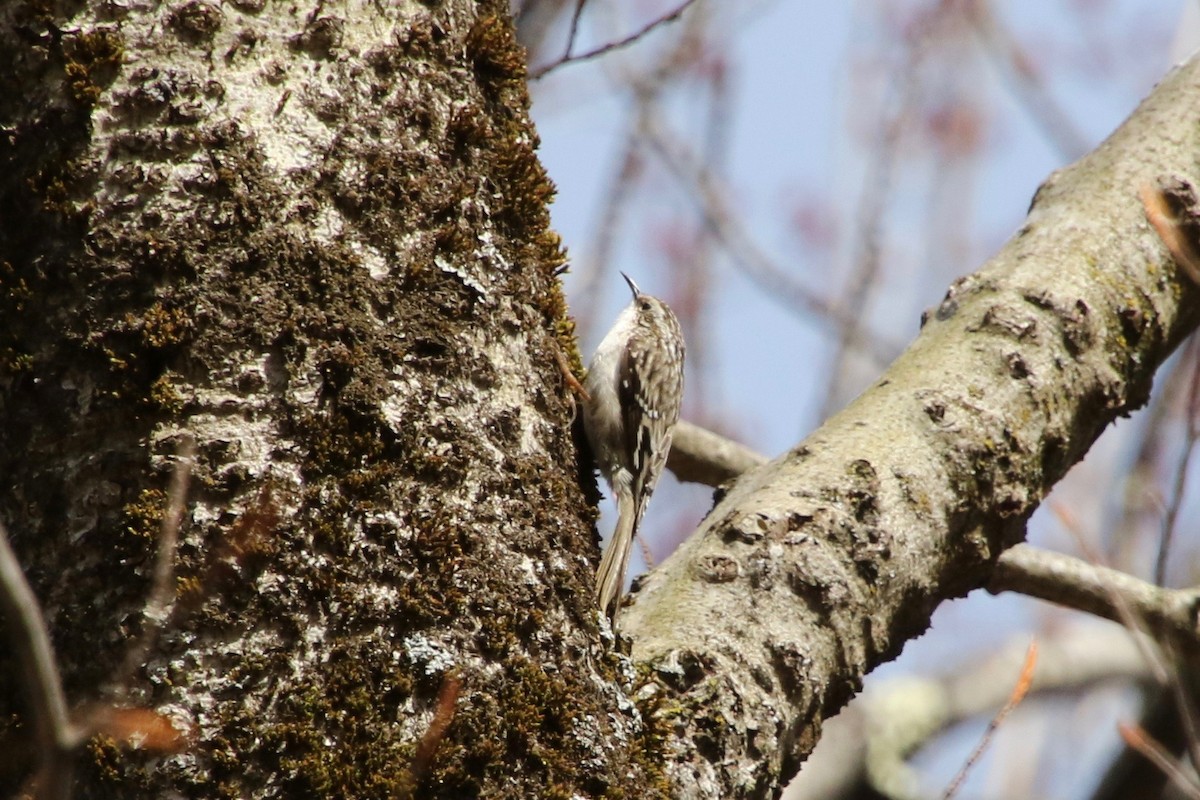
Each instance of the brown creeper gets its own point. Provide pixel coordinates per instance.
(635, 387)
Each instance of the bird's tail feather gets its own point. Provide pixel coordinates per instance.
(610, 576)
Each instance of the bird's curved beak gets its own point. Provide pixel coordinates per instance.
(633, 287)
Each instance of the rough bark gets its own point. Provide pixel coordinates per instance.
(314, 237)
(817, 567)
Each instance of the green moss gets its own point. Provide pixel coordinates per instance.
(528, 716)
(650, 751)
(143, 517)
(164, 396)
(163, 328)
(15, 296)
(189, 589)
(15, 288)
(135, 351)
(496, 55)
(335, 738)
(91, 61)
(106, 766)
(508, 147)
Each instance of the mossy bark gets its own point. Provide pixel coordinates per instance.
(314, 237)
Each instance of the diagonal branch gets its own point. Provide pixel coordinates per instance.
(702, 456)
(596, 52)
(819, 566)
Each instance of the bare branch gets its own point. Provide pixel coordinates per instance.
(56, 736)
(1024, 681)
(817, 567)
(1159, 654)
(671, 16)
(573, 31)
(1179, 480)
(646, 88)
(701, 456)
(162, 586)
(1074, 583)
(1126, 614)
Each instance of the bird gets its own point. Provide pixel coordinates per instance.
(634, 389)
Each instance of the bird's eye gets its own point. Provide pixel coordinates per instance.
(644, 305)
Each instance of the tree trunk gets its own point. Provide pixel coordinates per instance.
(313, 237)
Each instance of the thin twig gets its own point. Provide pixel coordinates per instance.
(540, 72)
(693, 266)
(162, 586)
(740, 246)
(1179, 482)
(30, 639)
(574, 30)
(1185, 704)
(1121, 605)
(1167, 674)
(1145, 744)
(869, 218)
(1018, 694)
(645, 87)
(1156, 433)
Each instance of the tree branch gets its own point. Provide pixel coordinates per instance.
(625, 41)
(818, 567)
(30, 640)
(702, 456)
(864, 751)
(1169, 614)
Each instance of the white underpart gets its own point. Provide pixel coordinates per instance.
(603, 415)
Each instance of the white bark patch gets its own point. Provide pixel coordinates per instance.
(465, 276)
(422, 650)
(511, 358)
(374, 262)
